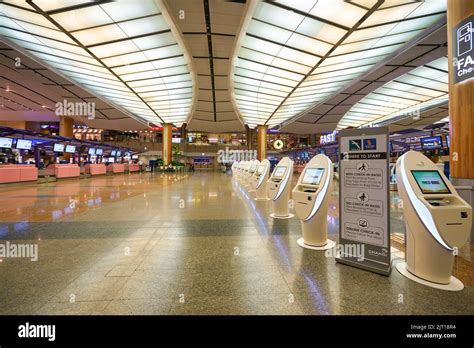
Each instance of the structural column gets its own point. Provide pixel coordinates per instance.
(66, 129)
(66, 126)
(262, 143)
(167, 143)
(461, 93)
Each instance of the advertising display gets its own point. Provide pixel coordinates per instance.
(6, 143)
(23, 144)
(431, 143)
(364, 230)
(312, 176)
(70, 148)
(58, 148)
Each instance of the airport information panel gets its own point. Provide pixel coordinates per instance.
(312, 176)
(364, 230)
(430, 182)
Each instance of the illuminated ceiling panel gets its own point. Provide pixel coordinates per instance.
(409, 95)
(299, 53)
(121, 51)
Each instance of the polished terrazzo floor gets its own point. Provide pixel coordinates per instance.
(188, 244)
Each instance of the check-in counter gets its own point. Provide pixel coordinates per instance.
(18, 173)
(132, 167)
(116, 168)
(95, 169)
(60, 171)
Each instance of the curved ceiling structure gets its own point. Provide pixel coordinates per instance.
(305, 66)
(124, 52)
(294, 55)
(421, 89)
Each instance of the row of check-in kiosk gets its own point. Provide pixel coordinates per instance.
(438, 221)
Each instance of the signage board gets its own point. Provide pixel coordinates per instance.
(462, 50)
(364, 228)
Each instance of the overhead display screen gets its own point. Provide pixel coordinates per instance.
(70, 148)
(91, 151)
(312, 176)
(58, 148)
(113, 153)
(430, 182)
(119, 153)
(279, 171)
(261, 169)
(6, 143)
(99, 152)
(431, 143)
(23, 144)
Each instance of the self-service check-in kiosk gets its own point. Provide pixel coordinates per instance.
(311, 198)
(437, 220)
(260, 180)
(242, 166)
(234, 170)
(279, 187)
(252, 171)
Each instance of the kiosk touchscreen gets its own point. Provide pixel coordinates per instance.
(437, 222)
(261, 178)
(278, 188)
(252, 178)
(311, 197)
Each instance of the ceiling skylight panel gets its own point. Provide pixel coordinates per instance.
(261, 45)
(143, 26)
(322, 31)
(251, 55)
(24, 15)
(100, 35)
(270, 32)
(298, 56)
(278, 16)
(309, 45)
(82, 18)
(391, 14)
(339, 12)
(127, 9)
(169, 62)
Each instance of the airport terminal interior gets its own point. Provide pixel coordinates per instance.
(236, 157)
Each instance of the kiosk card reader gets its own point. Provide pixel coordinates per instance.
(437, 222)
(278, 188)
(260, 180)
(252, 172)
(311, 197)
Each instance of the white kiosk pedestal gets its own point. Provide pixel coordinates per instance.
(261, 178)
(278, 188)
(252, 176)
(437, 222)
(311, 196)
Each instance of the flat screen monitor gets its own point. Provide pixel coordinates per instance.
(111, 159)
(176, 140)
(58, 148)
(430, 182)
(261, 169)
(430, 143)
(312, 176)
(6, 143)
(70, 148)
(113, 153)
(253, 167)
(91, 151)
(99, 152)
(119, 153)
(448, 143)
(23, 144)
(279, 171)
